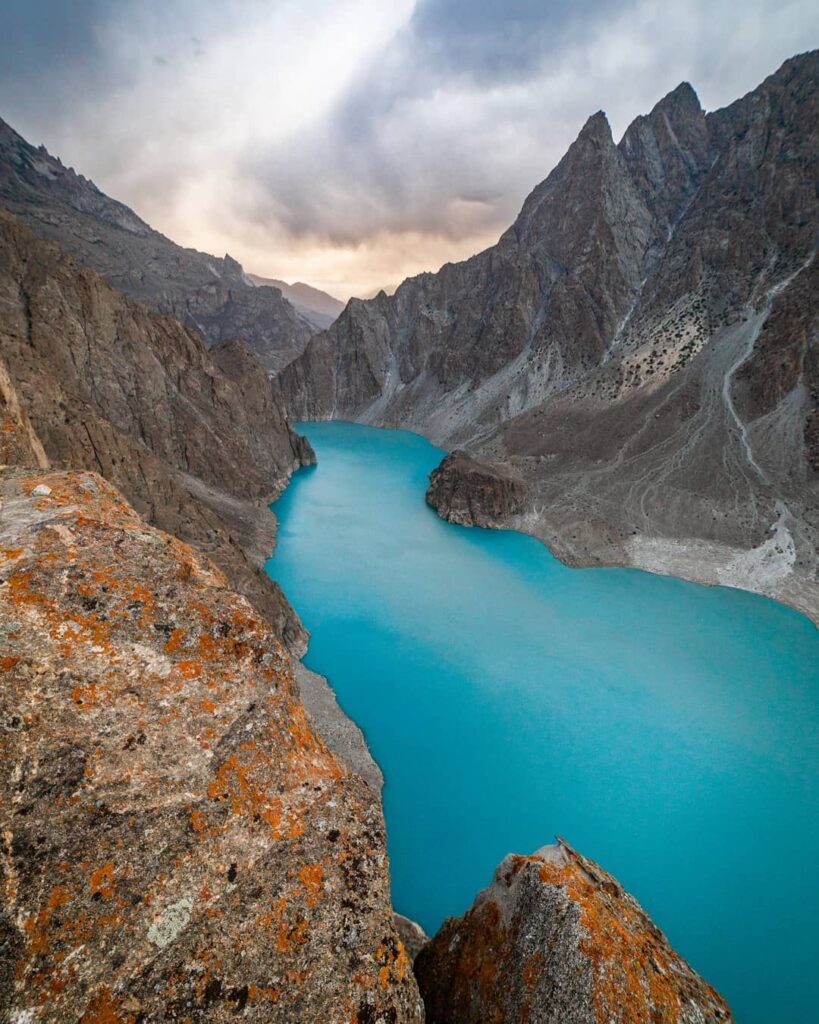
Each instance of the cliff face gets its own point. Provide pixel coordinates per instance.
(211, 294)
(556, 939)
(474, 493)
(640, 347)
(178, 843)
(196, 440)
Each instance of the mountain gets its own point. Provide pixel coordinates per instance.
(211, 294)
(196, 439)
(316, 306)
(637, 354)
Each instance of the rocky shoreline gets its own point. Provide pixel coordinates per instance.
(468, 492)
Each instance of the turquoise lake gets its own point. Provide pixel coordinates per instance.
(667, 730)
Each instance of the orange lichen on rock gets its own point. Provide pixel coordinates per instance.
(102, 881)
(312, 878)
(555, 937)
(211, 851)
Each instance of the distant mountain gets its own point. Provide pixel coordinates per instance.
(633, 370)
(205, 292)
(316, 306)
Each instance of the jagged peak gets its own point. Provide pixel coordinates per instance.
(597, 128)
(677, 106)
(684, 95)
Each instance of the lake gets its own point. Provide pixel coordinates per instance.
(667, 730)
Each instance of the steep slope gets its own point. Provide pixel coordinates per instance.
(316, 306)
(639, 348)
(556, 939)
(205, 292)
(178, 843)
(196, 440)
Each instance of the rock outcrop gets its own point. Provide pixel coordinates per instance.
(196, 440)
(210, 294)
(177, 843)
(474, 493)
(640, 347)
(556, 940)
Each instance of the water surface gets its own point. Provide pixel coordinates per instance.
(667, 730)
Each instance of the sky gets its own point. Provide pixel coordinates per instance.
(351, 143)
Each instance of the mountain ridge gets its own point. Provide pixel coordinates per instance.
(602, 349)
(316, 306)
(209, 293)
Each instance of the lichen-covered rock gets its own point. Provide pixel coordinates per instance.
(556, 940)
(472, 493)
(177, 843)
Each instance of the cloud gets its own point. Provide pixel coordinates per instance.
(351, 142)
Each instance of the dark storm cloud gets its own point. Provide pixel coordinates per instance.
(49, 52)
(498, 39)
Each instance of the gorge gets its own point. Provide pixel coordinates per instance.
(664, 728)
(192, 830)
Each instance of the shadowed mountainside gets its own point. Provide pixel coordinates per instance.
(211, 294)
(316, 306)
(195, 439)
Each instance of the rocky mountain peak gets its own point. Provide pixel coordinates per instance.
(596, 129)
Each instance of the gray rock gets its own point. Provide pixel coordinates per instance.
(639, 348)
(340, 733)
(210, 294)
(473, 493)
(556, 940)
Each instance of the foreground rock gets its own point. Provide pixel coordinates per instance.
(639, 348)
(177, 842)
(207, 293)
(471, 493)
(556, 940)
(196, 440)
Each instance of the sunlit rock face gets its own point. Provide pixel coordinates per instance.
(639, 347)
(179, 844)
(196, 439)
(556, 940)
